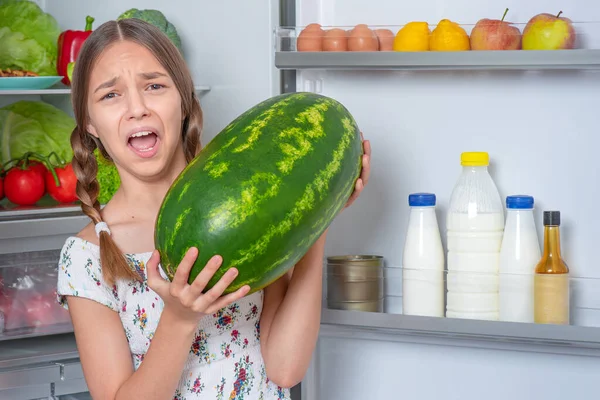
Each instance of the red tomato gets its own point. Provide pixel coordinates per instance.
(65, 193)
(24, 187)
(38, 166)
(1, 188)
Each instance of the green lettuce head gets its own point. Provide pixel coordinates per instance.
(34, 126)
(108, 178)
(28, 38)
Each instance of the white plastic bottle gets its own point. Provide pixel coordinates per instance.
(519, 254)
(475, 225)
(423, 260)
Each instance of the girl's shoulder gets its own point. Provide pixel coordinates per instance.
(80, 274)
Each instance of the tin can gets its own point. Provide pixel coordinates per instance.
(355, 282)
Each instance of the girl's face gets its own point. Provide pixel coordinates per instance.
(134, 108)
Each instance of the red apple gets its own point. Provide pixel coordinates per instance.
(495, 34)
(549, 32)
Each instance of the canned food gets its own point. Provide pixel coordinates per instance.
(355, 282)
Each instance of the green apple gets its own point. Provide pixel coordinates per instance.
(549, 32)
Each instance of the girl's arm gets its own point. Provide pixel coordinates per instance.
(103, 346)
(106, 358)
(291, 316)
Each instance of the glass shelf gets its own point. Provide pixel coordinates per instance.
(428, 290)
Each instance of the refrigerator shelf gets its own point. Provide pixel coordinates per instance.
(578, 59)
(32, 332)
(554, 338)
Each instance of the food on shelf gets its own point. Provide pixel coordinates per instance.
(70, 68)
(449, 36)
(108, 178)
(9, 73)
(28, 38)
(261, 197)
(549, 32)
(311, 38)
(34, 126)
(335, 39)
(24, 184)
(65, 190)
(361, 38)
(156, 18)
(69, 44)
(413, 36)
(1, 184)
(31, 176)
(385, 38)
(495, 34)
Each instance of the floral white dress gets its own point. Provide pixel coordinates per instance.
(224, 361)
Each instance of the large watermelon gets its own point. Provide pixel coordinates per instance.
(263, 190)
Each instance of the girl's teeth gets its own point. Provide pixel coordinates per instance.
(140, 134)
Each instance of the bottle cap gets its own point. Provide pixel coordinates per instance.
(421, 200)
(519, 202)
(552, 218)
(474, 159)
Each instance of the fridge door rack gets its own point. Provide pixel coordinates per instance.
(581, 59)
(584, 56)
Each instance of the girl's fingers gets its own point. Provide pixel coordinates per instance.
(155, 280)
(205, 275)
(216, 291)
(183, 271)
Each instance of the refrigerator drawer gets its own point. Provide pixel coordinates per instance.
(29, 376)
(71, 370)
(69, 387)
(28, 305)
(26, 393)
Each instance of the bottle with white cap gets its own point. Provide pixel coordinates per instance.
(423, 260)
(519, 254)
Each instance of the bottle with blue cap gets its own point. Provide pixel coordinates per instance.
(423, 260)
(519, 254)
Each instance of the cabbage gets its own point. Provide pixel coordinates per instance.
(28, 38)
(34, 126)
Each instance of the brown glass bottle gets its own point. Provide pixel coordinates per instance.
(551, 287)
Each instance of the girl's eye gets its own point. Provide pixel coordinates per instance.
(109, 96)
(156, 86)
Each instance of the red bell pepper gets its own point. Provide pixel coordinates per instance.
(69, 44)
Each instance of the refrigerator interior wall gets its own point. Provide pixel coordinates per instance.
(540, 129)
(227, 45)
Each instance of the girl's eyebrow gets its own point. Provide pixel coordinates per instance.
(106, 84)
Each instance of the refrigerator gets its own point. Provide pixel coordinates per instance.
(534, 113)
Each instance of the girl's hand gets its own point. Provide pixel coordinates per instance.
(187, 302)
(364, 174)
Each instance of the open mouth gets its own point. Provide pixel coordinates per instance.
(143, 141)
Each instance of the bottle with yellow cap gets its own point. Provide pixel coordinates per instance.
(475, 227)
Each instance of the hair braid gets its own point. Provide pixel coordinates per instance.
(85, 166)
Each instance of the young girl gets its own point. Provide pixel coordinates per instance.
(140, 336)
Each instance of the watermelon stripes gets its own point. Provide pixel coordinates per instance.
(263, 190)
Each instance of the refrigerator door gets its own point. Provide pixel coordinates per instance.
(537, 125)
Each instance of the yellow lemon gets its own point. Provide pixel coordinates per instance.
(413, 36)
(449, 36)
